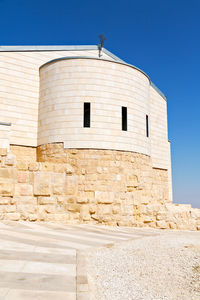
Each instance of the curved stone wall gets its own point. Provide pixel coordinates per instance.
(65, 84)
(89, 186)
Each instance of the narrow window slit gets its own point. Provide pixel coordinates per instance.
(124, 118)
(86, 119)
(147, 125)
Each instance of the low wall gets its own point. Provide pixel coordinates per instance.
(89, 186)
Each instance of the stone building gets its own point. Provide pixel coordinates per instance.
(84, 138)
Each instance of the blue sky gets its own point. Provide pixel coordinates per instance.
(160, 37)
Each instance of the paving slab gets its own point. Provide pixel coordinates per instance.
(39, 260)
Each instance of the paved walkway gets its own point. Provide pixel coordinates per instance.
(38, 260)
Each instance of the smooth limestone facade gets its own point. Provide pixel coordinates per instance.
(55, 169)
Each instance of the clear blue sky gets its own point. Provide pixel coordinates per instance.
(160, 37)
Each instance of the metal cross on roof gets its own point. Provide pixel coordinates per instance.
(100, 46)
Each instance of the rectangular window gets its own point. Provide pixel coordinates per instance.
(124, 118)
(86, 121)
(147, 125)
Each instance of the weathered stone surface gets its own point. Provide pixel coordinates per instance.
(104, 197)
(69, 170)
(47, 209)
(162, 224)
(47, 166)
(3, 151)
(42, 184)
(24, 153)
(92, 186)
(71, 185)
(7, 173)
(10, 208)
(84, 213)
(58, 183)
(85, 197)
(73, 207)
(23, 189)
(34, 166)
(59, 168)
(32, 217)
(46, 200)
(4, 201)
(26, 209)
(13, 216)
(25, 200)
(6, 189)
(23, 176)
(10, 159)
(22, 165)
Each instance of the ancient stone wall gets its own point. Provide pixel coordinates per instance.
(90, 186)
(24, 152)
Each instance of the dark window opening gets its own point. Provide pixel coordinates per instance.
(124, 118)
(86, 121)
(147, 125)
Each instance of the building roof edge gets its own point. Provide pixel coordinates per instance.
(158, 90)
(96, 58)
(34, 48)
(25, 48)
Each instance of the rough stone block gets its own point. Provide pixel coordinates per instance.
(47, 166)
(13, 216)
(4, 201)
(69, 170)
(22, 165)
(25, 200)
(22, 176)
(6, 189)
(82, 200)
(32, 217)
(147, 219)
(3, 151)
(10, 160)
(104, 197)
(71, 185)
(62, 200)
(47, 209)
(172, 225)
(145, 199)
(46, 200)
(84, 213)
(93, 208)
(73, 207)
(23, 189)
(116, 209)
(85, 197)
(58, 183)
(26, 209)
(61, 217)
(162, 224)
(34, 166)
(89, 187)
(10, 208)
(95, 217)
(7, 173)
(104, 209)
(42, 184)
(59, 168)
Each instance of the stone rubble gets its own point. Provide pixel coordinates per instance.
(164, 267)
